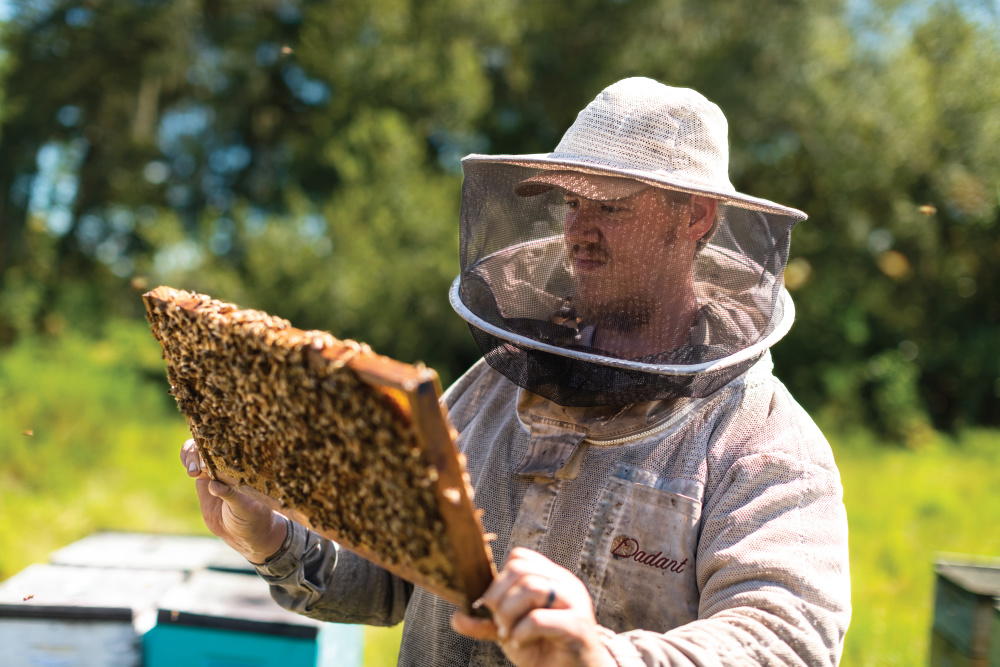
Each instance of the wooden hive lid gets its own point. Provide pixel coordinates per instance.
(979, 577)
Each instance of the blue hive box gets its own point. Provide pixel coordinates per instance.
(223, 619)
(965, 596)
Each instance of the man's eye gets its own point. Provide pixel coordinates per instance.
(572, 203)
(609, 209)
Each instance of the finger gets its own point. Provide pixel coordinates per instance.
(520, 563)
(555, 630)
(532, 591)
(498, 589)
(188, 453)
(523, 557)
(242, 508)
(477, 628)
(540, 625)
(528, 561)
(191, 459)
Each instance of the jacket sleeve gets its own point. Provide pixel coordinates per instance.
(314, 576)
(772, 562)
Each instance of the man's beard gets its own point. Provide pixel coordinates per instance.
(620, 313)
(625, 314)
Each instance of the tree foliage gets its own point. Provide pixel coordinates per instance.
(302, 157)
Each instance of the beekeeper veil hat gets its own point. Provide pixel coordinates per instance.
(623, 266)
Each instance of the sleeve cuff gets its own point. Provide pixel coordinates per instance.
(621, 649)
(288, 556)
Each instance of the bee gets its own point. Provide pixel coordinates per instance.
(566, 316)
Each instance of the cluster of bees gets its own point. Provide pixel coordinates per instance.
(279, 409)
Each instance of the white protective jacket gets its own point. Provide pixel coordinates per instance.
(709, 531)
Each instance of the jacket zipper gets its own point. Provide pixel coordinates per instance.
(624, 440)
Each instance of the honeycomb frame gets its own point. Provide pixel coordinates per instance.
(352, 444)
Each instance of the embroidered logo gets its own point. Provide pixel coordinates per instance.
(624, 546)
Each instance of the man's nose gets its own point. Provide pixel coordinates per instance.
(582, 225)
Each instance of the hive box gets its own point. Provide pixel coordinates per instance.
(144, 551)
(995, 641)
(221, 618)
(964, 609)
(78, 616)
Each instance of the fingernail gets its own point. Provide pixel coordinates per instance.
(502, 632)
(477, 604)
(193, 466)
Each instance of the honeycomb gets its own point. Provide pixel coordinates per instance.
(282, 410)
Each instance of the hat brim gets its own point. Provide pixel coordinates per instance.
(589, 186)
(660, 179)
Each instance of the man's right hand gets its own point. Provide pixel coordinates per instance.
(247, 525)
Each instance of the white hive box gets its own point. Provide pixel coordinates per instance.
(53, 615)
(144, 551)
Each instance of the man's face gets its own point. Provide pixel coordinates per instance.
(626, 252)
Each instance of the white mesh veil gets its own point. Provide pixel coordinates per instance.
(623, 266)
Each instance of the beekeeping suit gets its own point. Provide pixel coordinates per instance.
(624, 421)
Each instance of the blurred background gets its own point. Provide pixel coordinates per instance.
(302, 157)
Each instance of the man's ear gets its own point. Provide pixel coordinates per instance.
(703, 211)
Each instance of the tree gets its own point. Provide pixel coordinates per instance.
(255, 153)
(303, 158)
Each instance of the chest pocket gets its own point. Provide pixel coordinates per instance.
(639, 556)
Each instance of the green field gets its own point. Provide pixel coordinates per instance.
(905, 508)
(102, 454)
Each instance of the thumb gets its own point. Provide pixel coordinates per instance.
(240, 506)
(220, 490)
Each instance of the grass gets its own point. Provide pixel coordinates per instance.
(87, 442)
(103, 455)
(905, 508)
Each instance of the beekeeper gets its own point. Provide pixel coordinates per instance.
(658, 497)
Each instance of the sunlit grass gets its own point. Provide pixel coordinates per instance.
(87, 442)
(103, 455)
(382, 646)
(904, 508)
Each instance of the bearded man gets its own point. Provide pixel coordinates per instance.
(658, 497)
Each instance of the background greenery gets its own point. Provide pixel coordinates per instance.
(106, 436)
(303, 157)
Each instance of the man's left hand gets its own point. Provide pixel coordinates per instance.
(542, 615)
